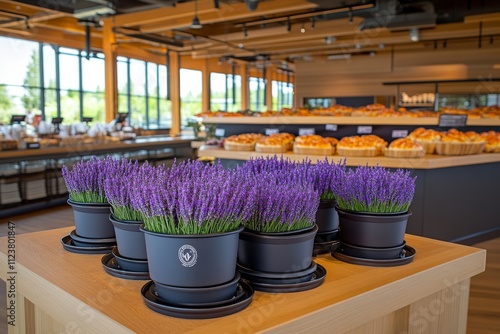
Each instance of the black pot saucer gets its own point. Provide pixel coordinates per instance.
(110, 266)
(234, 305)
(324, 247)
(316, 280)
(406, 256)
(78, 239)
(69, 245)
(128, 264)
(254, 276)
(239, 294)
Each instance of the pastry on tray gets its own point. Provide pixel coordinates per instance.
(492, 141)
(405, 148)
(454, 142)
(275, 143)
(242, 142)
(314, 145)
(427, 138)
(361, 146)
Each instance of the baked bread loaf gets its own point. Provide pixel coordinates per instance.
(405, 148)
(361, 146)
(242, 142)
(314, 144)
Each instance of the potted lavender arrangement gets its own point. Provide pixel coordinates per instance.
(373, 206)
(277, 243)
(130, 252)
(193, 214)
(85, 184)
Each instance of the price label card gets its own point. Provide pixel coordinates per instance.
(272, 131)
(399, 133)
(331, 127)
(364, 129)
(451, 120)
(306, 131)
(220, 132)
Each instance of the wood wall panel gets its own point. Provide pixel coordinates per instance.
(364, 75)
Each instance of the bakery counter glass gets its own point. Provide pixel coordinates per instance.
(456, 197)
(55, 291)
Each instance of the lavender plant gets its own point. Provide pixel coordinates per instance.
(193, 198)
(375, 189)
(85, 180)
(326, 177)
(118, 190)
(284, 201)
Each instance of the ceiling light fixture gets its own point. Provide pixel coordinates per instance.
(216, 4)
(414, 34)
(196, 21)
(349, 15)
(288, 24)
(245, 32)
(330, 39)
(303, 29)
(313, 22)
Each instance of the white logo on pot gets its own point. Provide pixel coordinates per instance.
(188, 255)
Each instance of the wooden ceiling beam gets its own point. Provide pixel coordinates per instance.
(228, 13)
(161, 14)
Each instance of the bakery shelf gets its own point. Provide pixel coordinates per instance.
(432, 161)
(341, 120)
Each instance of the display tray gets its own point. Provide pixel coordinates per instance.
(69, 245)
(111, 267)
(406, 256)
(316, 280)
(357, 152)
(235, 305)
(313, 150)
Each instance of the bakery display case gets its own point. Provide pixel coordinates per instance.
(456, 194)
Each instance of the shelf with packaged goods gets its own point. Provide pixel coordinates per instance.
(342, 120)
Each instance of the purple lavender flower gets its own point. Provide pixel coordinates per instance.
(85, 180)
(375, 189)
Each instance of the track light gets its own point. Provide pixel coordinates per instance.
(196, 21)
(288, 24)
(313, 22)
(303, 29)
(349, 15)
(216, 4)
(414, 35)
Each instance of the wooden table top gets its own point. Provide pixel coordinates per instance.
(74, 288)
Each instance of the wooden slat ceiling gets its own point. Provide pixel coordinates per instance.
(277, 29)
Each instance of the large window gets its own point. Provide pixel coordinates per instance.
(190, 91)
(282, 95)
(257, 87)
(57, 82)
(225, 92)
(142, 92)
(52, 81)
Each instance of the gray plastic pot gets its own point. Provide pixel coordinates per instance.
(276, 252)
(371, 229)
(129, 238)
(192, 260)
(327, 217)
(92, 220)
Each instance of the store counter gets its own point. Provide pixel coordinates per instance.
(57, 291)
(456, 197)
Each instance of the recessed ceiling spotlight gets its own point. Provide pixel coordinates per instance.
(303, 29)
